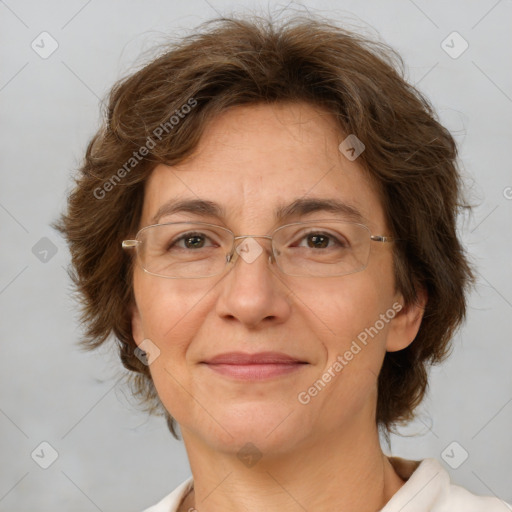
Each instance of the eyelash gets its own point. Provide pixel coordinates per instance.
(190, 234)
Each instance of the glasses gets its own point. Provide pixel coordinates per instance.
(316, 248)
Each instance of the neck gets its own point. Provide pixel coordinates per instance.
(331, 473)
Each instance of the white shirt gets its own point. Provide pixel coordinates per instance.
(427, 489)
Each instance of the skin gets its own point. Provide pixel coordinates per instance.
(321, 456)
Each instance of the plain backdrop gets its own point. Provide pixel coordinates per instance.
(111, 456)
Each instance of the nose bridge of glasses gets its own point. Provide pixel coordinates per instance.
(242, 237)
(247, 250)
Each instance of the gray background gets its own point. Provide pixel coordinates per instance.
(112, 457)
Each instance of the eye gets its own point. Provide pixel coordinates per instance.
(191, 240)
(323, 240)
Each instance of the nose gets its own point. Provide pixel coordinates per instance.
(247, 248)
(253, 292)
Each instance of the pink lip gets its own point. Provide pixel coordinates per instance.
(241, 358)
(263, 365)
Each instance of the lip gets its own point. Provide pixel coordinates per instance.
(242, 358)
(259, 366)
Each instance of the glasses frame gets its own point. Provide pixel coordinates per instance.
(135, 243)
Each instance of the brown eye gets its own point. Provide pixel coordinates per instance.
(189, 241)
(322, 240)
(318, 241)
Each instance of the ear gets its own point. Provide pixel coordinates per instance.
(137, 330)
(405, 325)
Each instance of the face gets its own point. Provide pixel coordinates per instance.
(251, 161)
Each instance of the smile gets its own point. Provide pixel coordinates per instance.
(265, 365)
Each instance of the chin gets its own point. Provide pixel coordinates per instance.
(270, 428)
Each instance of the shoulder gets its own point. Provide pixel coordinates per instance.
(461, 499)
(171, 502)
(428, 489)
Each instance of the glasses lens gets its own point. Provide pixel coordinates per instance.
(184, 249)
(322, 248)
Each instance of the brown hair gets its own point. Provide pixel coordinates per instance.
(237, 61)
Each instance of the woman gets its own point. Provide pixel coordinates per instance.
(267, 224)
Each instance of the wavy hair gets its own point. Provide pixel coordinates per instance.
(241, 61)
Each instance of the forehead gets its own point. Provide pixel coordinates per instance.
(254, 160)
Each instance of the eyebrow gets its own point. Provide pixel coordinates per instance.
(297, 208)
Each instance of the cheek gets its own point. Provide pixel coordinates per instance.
(348, 323)
(343, 307)
(165, 304)
(171, 313)
(361, 309)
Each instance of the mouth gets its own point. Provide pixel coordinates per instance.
(260, 366)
